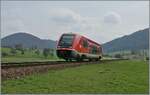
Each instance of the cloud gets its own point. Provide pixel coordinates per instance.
(11, 22)
(112, 18)
(51, 22)
(62, 16)
(71, 20)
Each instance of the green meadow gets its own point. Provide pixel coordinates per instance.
(127, 76)
(28, 56)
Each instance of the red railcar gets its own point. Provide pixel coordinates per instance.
(73, 46)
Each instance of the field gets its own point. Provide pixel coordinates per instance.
(29, 55)
(129, 54)
(113, 77)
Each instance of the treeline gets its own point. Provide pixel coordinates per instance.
(19, 48)
(133, 54)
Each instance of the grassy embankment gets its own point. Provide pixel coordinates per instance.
(114, 77)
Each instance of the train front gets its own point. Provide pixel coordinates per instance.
(65, 46)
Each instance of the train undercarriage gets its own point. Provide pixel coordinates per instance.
(70, 55)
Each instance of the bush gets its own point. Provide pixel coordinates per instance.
(118, 56)
(19, 47)
(133, 52)
(4, 54)
(106, 55)
(22, 51)
(52, 52)
(46, 52)
(147, 58)
(13, 51)
(37, 52)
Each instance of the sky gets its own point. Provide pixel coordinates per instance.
(101, 21)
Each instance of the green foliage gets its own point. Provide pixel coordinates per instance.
(118, 56)
(22, 51)
(18, 46)
(130, 54)
(37, 52)
(133, 52)
(46, 52)
(117, 77)
(147, 58)
(52, 52)
(13, 51)
(4, 54)
(14, 55)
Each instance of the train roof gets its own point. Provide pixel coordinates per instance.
(84, 37)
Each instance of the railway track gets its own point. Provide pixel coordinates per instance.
(17, 70)
(26, 64)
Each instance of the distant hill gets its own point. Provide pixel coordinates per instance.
(136, 41)
(27, 40)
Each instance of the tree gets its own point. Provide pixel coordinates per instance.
(37, 52)
(118, 56)
(133, 52)
(147, 58)
(106, 55)
(4, 54)
(34, 47)
(52, 52)
(46, 52)
(22, 51)
(18, 47)
(13, 51)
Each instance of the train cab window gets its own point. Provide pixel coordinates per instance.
(66, 40)
(85, 43)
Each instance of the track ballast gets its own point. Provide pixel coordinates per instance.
(17, 70)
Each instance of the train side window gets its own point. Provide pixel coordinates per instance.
(94, 50)
(85, 43)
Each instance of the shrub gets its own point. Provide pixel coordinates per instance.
(13, 51)
(37, 52)
(4, 54)
(19, 47)
(22, 51)
(147, 58)
(46, 52)
(118, 56)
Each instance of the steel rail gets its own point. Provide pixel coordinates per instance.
(27, 64)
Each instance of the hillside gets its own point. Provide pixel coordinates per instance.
(27, 40)
(135, 41)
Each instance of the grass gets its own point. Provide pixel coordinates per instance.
(15, 59)
(141, 53)
(29, 55)
(116, 77)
